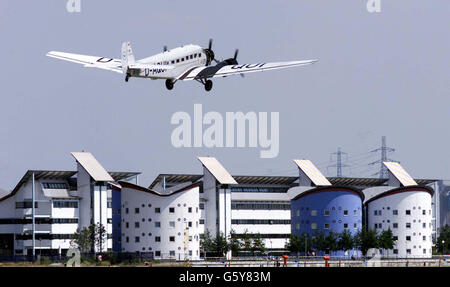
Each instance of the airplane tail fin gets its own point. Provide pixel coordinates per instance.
(127, 56)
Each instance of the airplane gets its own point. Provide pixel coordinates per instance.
(185, 63)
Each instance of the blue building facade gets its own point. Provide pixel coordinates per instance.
(328, 209)
(116, 219)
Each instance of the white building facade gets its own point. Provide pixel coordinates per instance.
(166, 225)
(64, 201)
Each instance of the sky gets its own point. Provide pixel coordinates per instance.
(379, 74)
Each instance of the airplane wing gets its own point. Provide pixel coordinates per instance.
(221, 70)
(109, 64)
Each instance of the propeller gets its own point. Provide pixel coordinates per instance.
(210, 53)
(235, 59)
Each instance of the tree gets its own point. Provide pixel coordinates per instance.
(235, 243)
(386, 240)
(90, 237)
(99, 236)
(220, 244)
(294, 244)
(366, 239)
(331, 242)
(83, 240)
(258, 244)
(206, 243)
(443, 241)
(319, 241)
(247, 241)
(346, 241)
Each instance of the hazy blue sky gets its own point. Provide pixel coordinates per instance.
(379, 74)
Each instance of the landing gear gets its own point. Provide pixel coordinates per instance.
(208, 85)
(169, 84)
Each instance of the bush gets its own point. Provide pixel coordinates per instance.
(45, 261)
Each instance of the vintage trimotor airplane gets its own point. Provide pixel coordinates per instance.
(189, 62)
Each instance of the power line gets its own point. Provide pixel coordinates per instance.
(338, 165)
(384, 149)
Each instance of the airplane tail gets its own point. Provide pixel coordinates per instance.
(127, 56)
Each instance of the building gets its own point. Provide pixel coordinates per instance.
(63, 202)
(261, 205)
(319, 207)
(405, 208)
(164, 225)
(227, 204)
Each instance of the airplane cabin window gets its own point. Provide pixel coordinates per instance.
(190, 57)
(178, 60)
(182, 59)
(172, 62)
(195, 55)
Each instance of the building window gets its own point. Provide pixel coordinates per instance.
(297, 226)
(127, 239)
(202, 206)
(345, 225)
(171, 209)
(395, 251)
(395, 238)
(172, 253)
(157, 238)
(326, 226)
(408, 251)
(314, 212)
(326, 212)
(394, 225)
(424, 212)
(408, 238)
(126, 210)
(190, 209)
(136, 239)
(172, 238)
(408, 212)
(62, 204)
(345, 212)
(172, 224)
(313, 226)
(157, 224)
(355, 225)
(298, 212)
(127, 225)
(136, 224)
(395, 212)
(355, 212)
(158, 253)
(136, 210)
(202, 221)
(190, 224)
(408, 225)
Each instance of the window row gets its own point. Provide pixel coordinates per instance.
(395, 225)
(157, 224)
(260, 221)
(326, 212)
(257, 205)
(158, 209)
(395, 212)
(182, 59)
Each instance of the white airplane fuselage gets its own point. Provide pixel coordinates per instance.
(171, 63)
